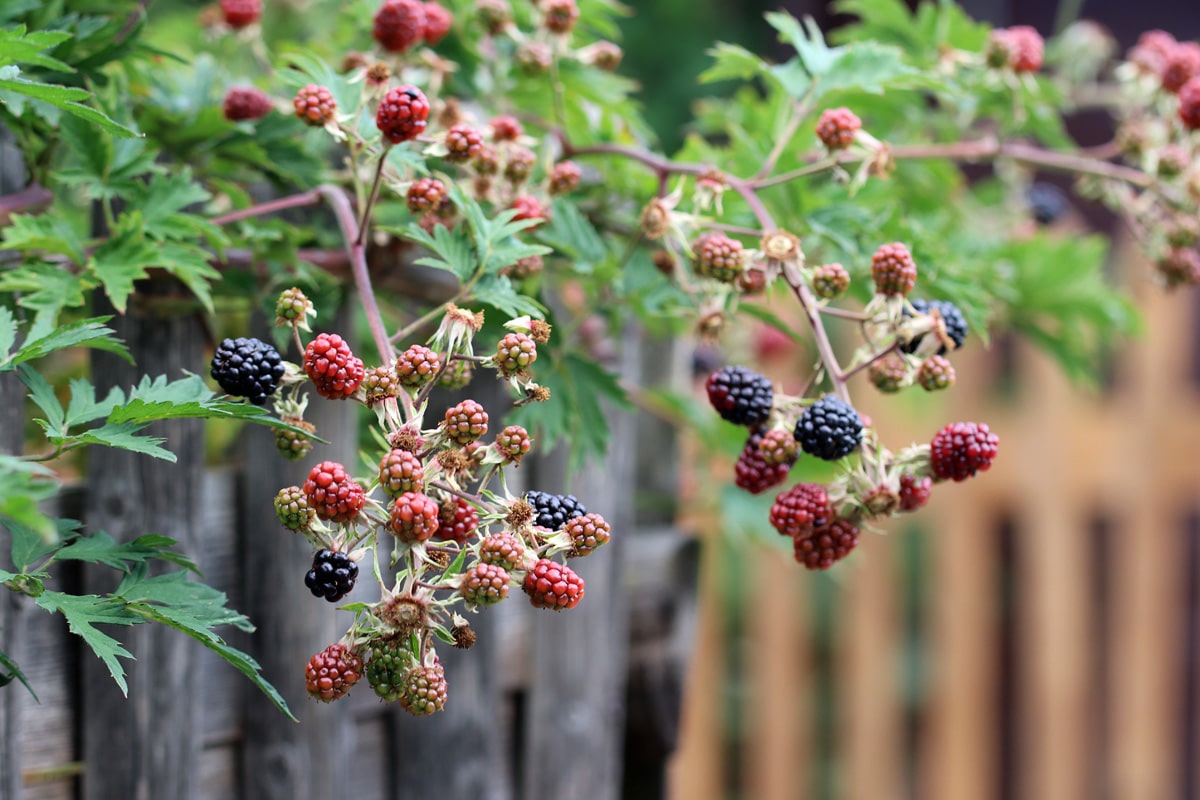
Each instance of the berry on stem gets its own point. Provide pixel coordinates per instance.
(414, 517)
(503, 550)
(293, 445)
(401, 471)
(332, 575)
(753, 472)
(961, 449)
(893, 270)
(388, 662)
(506, 128)
(241, 13)
(514, 354)
(484, 584)
(740, 395)
(245, 103)
(399, 24)
(292, 509)
(553, 585)
(889, 373)
(417, 366)
(587, 533)
(438, 21)
(826, 545)
(513, 442)
(560, 15)
(379, 384)
(836, 128)
(457, 520)
(465, 422)
(564, 177)
(332, 493)
(402, 114)
(800, 509)
(425, 194)
(335, 371)
(424, 690)
(331, 672)
(830, 281)
(914, 491)
(718, 257)
(463, 143)
(935, 373)
(247, 367)
(553, 510)
(952, 320)
(315, 105)
(1189, 104)
(829, 429)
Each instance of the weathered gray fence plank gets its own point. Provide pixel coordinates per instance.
(147, 746)
(282, 760)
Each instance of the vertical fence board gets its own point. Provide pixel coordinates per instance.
(281, 760)
(12, 697)
(778, 658)
(576, 714)
(137, 747)
(872, 716)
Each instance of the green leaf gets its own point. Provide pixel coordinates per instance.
(574, 237)
(8, 333)
(23, 484)
(732, 62)
(83, 613)
(96, 153)
(124, 258)
(30, 546)
(42, 394)
(191, 265)
(100, 548)
(91, 332)
(64, 97)
(10, 671)
(451, 250)
(122, 436)
(48, 233)
(498, 292)
(17, 46)
(46, 289)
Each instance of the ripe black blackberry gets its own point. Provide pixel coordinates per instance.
(1047, 203)
(955, 322)
(829, 429)
(332, 575)
(740, 395)
(248, 368)
(554, 510)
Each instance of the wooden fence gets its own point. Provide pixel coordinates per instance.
(1033, 633)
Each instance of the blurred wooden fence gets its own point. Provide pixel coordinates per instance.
(1033, 633)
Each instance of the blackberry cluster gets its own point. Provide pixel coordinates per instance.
(438, 22)
(893, 270)
(826, 545)
(245, 103)
(553, 585)
(332, 672)
(554, 510)
(1047, 203)
(241, 13)
(457, 520)
(718, 257)
(800, 509)
(830, 281)
(463, 143)
(503, 550)
(248, 368)
(587, 533)
(424, 690)
(315, 105)
(961, 449)
(836, 128)
(753, 472)
(955, 322)
(402, 114)
(425, 194)
(484, 584)
(829, 429)
(399, 24)
(564, 177)
(387, 665)
(740, 395)
(332, 575)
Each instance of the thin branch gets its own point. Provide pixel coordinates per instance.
(309, 198)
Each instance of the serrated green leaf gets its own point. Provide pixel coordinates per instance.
(732, 62)
(83, 613)
(123, 259)
(452, 250)
(91, 332)
(17, 46)
(100, 548)
(191, 265)
(9, 671)
(122, 436)
(23, 485)
(8, 333)
(95, 153)
(574, 237)
(45, 289)
(64, 97)
(42, 394)
(498, 292)
(48, 233)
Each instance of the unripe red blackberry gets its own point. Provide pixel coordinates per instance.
(399, 24)
(379, 384)
(961, 449)
(424, 690)
(1182, 64)
(893, 270)
(525, 268)
(1180, 266)
(335, 371)
(564, 177)
(292, 445)
(332, 575)
(438, 22)
(514, 354)
(401, 471)
(414, 517)
(587, 533)
(752, 473)
(826, 545)
(315, 105)
(494, 15)
(513, 442)
(425, 194)
(936, 373)
(402, 114)
(830, 281)
(503, 550)
(241, 13)
(800, 509)
(486, 163)
(718, 257)
(914, 491)
(506, 128)
(417, 366)
(1025, 48)
(332, 493)
(829, 429)
(463, 143)
(331, 672)
(836, 128)
(245, 103)
(740, 395)
(602, 55)
(778, 446)
(553, 585)
(457, 520)
(560, 15)
(465, 422)
(751, 282)
(520, 164)
(1189, 104)
(484, 584)
(292, 509)
(529, 207)
(889, 373)
(1151, 51)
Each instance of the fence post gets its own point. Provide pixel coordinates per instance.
(147, 746)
